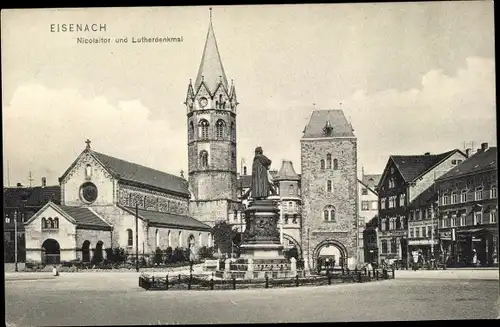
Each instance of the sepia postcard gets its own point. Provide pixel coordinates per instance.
(249, 164)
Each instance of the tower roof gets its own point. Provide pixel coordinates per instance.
(287, 172)
(211, 71)
(328, 123)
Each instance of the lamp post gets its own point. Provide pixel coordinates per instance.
(15, 240)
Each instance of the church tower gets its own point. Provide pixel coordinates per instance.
(211, 122)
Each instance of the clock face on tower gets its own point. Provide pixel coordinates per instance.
(88, 192)
(203, 102)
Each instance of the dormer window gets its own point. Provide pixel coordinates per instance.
(328, 129)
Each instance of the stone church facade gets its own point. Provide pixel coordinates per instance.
(329, 186)
(100, 198)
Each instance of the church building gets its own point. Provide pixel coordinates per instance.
(100, 199)
(211, 119)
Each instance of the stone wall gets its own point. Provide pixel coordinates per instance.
(36, 236)
(93, 236)
(70, 185)
(209, 212)
(315, 197)
(129, 196)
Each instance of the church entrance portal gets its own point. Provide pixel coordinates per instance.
(329, 254)
(52, 251)
(86, 251)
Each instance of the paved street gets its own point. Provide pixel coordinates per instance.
(115, 298)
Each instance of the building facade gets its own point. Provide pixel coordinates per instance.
(404, 178)
(329, 187)
(468, 210)
(368, 208)
(21, 203)
(211, 121)
(107, 202)
(423, 235)
(370, 241)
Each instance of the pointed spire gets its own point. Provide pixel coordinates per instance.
(211, 64)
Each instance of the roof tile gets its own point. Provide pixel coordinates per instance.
(481, 161)
(333, 118)
(84, 216)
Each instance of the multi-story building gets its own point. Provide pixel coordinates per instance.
(370, 241)
(211, 119)
(404, 178)
(22, 203)
(422, 224)
(368, 207)
(468, 209)
(329, 187)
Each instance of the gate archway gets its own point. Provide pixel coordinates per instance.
(290, 242)
(342, 261)
(52, 251)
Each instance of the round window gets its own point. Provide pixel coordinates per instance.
(88, 192)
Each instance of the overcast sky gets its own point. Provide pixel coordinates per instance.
(411, 77)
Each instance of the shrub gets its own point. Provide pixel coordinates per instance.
(206, 252)
(168, 254)
(158, 256)
(178, 255)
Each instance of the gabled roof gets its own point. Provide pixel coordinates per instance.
(80, 216)
(481, 161)
(84, 216)
(287, 173)
(211, 71)
(371, 180)
(128, 171)
(413, 166)
(322, 120)
(135, 173)
(168, 219)
(425, 198)
(35, 196)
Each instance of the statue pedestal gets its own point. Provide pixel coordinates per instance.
(262, 237)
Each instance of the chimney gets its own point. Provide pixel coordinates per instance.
(484, 146)
(468, 152)
(19, 185)
(244, 170)
(427, 154)
(44, 181)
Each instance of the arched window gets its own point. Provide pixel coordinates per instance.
(329, 161)
(329, 213)
(291, 190)
(56, 222)
(50, 223)
(88, 172)
(191, 130)
(219, 126)
(169, 238)
(203, 126)
(180, 239)
(335, 164)
(44, 223)
(157, 238)
(204, 158)
(130, 237)
(322, 163)
(328, 186)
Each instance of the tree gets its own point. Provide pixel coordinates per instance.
(223, 236)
